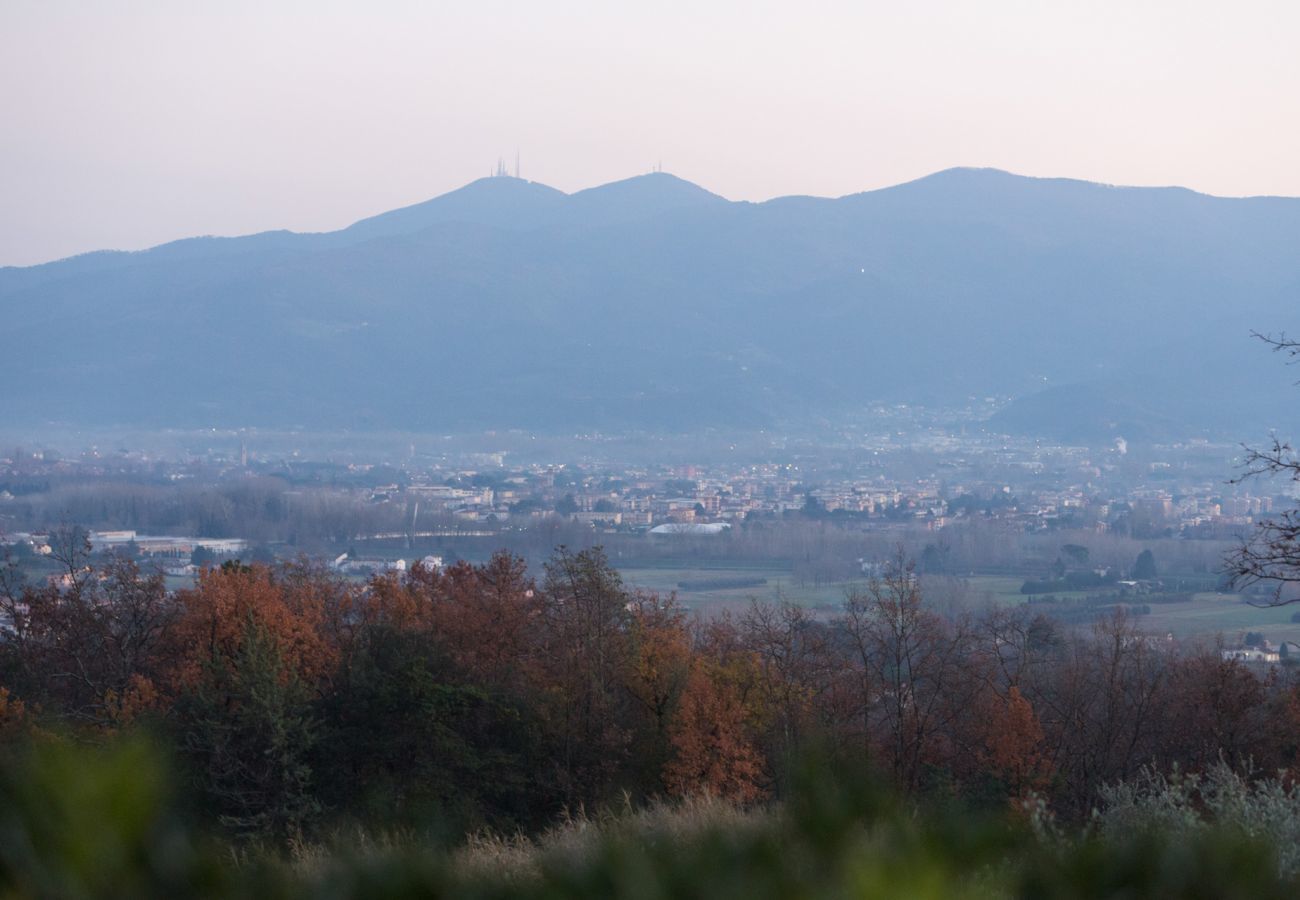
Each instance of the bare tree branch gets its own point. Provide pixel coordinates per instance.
(1271, 555)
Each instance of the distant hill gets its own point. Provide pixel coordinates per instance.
(506, 202)
(653, 303)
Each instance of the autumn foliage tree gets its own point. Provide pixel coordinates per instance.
(433, 710)
(234, 601)
(1010, 744)
(488, 617)
(713, 750)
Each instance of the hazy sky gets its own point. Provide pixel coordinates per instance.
(126, 124)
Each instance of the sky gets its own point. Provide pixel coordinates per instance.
(127, 124)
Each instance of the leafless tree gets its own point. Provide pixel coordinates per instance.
(1271, 555)
(794, 654)
(914, 668)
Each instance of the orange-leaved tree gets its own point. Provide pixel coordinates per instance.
(712, 742)
(1012, 747)
(216, 615)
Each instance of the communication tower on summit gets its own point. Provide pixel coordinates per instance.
(501, 171)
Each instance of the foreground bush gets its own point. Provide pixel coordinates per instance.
(1189, 808)
(78, 822)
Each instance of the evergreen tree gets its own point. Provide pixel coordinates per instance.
(1145, 567)
(247, 729)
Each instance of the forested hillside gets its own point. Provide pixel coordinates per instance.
(652, 303)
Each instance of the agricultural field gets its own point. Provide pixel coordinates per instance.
(1004, 590)
(1210, 614)
(712, 590)
(1206, 615)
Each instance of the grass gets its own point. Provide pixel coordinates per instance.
(575, 841)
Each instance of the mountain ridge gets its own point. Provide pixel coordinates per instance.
(924, 180)
(652, 300)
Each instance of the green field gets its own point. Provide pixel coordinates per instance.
(1206, 615)
(1004, 590)
(780, 584)
(980, 591)
(1210, 614)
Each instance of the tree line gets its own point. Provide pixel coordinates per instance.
(489, 696)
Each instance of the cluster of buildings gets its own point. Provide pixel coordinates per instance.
(366, 566)
(913, 473)
(174, 555)
(164, 546)
(1027, 498)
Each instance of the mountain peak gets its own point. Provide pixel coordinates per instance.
(504, 201)
(652, 181)
(641, 196)
(500, 200)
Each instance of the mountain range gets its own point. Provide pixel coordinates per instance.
(651, 303)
